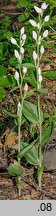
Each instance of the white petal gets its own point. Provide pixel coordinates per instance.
(16, 75)
(17, 55)
(44, 6)
(40, 78)
(38, 10)
(19, 106)
(42, 50)
(46, 19)
(22, 30)
(26, 87)
(39, 40)
(13, 41)
(24, 37)
(39, 70)
(34, 35)
(34, 55)
(24, 70)
(38, 26)
(45, 34)
(22, 50)
(33, 23)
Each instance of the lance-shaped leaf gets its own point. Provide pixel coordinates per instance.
(46, 134)
(26, 148)
(30, 112)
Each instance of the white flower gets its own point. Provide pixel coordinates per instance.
(42, 50)
(24, 70)
(44, 6)
(26, 87)
(39, 70)
(34, 55)
(19, 107)
(38, 26)
(16, 76)
(45, 34)
(33, 23)
(22, 50)
(39, 40)
(34, 35)
(24, 37)
(17, 55)
(13, 41)
(22, 30)
(46, 19)
(22, 43)
(38, 10)
(40, 78)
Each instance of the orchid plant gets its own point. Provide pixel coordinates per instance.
(38, 36)
(32, 152)
(19, 77)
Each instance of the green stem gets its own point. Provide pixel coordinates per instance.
(39, 112)
(19, 179)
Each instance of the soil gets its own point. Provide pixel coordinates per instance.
(29, 187)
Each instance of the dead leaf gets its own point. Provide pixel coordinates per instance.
(10, 139)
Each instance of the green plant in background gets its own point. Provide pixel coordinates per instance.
(8, 29)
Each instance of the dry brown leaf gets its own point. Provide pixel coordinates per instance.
(10, 139)
(47, 67)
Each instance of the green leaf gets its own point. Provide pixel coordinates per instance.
(15, 170)
(2, 93)
(46, 134)
(29, 94)
(2, 71)
(32, 157)
(28, 65)
(30, 112)
(43, 91)
(26, 149)
(49, 74)
(32, 154)
(23, 17)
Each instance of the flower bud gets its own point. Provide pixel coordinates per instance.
(44, 6)
(17, 55)
(24, 70)
(38, 10)
(19, 108)
(22, 50)
(16, 76)
(22, 30)
(13, 41)
(33, 23)
(39, 40)
(34, 55)
(26, 87)
(40, 78)
(38, 26)
(24, 37)
(42, 50)
(46, 19)
(45, 34)
(34, 35)
(39, 70)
